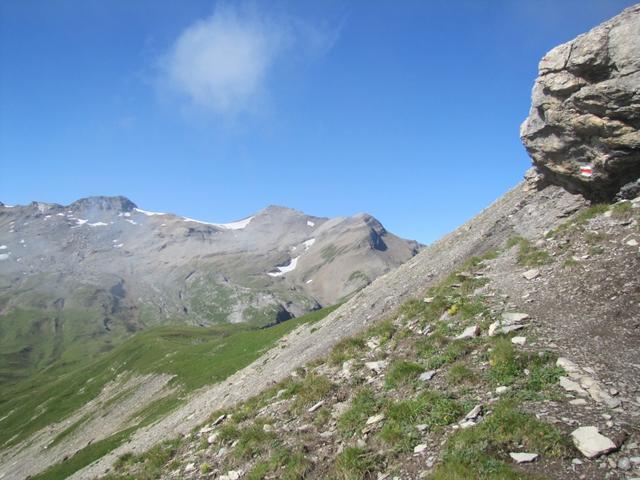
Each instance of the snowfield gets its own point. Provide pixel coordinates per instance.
(290, 267)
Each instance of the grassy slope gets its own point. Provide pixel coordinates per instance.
(196, 356)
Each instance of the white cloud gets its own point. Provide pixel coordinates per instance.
(223, 63)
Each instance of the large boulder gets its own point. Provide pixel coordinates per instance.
(582, 130)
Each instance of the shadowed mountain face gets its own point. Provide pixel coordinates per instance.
(86, 275)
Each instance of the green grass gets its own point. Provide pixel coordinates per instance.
(346, 349)
(365, 404)
(430, 408)
(356, 463)
(402, 373)
(506, 366)
(579, 220)
(460, 373)
(147, 466)
(480, 452)
(84, 457)
(196, 356)
(252, 441)
(312, 389)
(289, 465)
(528, 255)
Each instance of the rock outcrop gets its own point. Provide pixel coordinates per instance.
(582, 130)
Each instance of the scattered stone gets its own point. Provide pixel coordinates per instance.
(376, 367)
(509, 318)
(373, 343)
(576, 461)
(624, 463)
(428, 300)
(426, 376)
(190, 467)
(267, 428)
(219, 420)
(316, 406)
(420, 448)
(578, 402)
(422, 427)
(632, 243)
(519, 340)
(502, 389)
(571, 386)
(231, 475)
(467, 424)
(567, 365)
(591, 443)
(523, 457)
(469, 332)
(212, 438)
(375, 419)
(531, 274)
(474, 413)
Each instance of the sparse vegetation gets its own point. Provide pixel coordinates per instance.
(528, 254)
(364, 405)
(471, 453)
(355, 463)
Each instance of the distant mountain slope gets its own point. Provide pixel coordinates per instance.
(80, 278)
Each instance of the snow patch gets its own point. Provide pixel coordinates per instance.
(309, 243)
(22, 241)
(309, 281)
(132, 222)
(60, 214)
(148, 214)
(119, 245)
(4, 256)
(80, 221)
(98, 224)
(291, 266)
(310, 223)
(239, 225)
(3, 247)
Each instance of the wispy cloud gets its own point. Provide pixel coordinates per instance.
(223, 63)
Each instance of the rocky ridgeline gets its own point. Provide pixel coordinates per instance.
(582, 131)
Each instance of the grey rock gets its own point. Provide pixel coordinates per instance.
(531, 274)
(585, 110)
(520, 457)
(426, 376)
(624, 463)
(591, 443)
(469, 332)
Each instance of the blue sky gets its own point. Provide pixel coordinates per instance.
(408, 110)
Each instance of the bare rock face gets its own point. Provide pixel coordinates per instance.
(582, 130)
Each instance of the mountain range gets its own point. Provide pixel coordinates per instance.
(89, 274)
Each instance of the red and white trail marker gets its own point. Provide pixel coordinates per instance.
(586, 171)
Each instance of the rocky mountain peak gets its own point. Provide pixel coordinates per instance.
(582, 130)
(117, 203)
